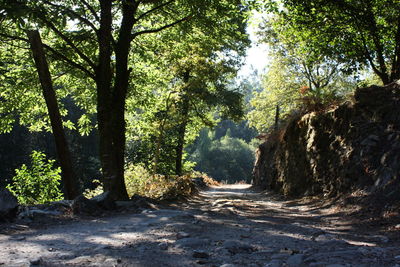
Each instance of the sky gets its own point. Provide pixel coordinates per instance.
(257, 57)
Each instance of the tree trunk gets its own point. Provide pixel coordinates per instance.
(113, 172)
(182, 128)
(111, 97)
(63, 152)
(277, 117)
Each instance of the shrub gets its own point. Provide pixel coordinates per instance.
(38, 184)
(139, 181)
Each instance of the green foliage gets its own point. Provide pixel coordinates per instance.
(37, 184)
(180, 104)
(356, 33)
(225, 159)
(140, 181)
(298, 79)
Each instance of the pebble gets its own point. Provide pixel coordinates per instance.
(181, 235)
(235, 247)
(111, 262)
(325, 237)
(295, 260)
(192, 242)
(21, 263)
(200, 254)
(279, 256)
(37, 261)
(163, 246)
(274, 263)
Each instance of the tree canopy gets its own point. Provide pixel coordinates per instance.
(104, 46)
(353, 32)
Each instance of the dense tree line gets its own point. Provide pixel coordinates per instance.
(111, 56)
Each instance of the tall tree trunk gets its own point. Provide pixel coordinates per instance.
(182, 128)
(111, 97)
(181, 137)
(113, 179)
(63, 152)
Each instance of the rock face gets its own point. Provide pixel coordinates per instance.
(8, 205)
(356, 145)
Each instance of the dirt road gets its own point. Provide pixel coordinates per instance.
(224, 226)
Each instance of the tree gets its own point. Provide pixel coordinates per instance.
(353, 32)
(63, 152)
(94, 38)
(226, 159)
(200, 70)
(298, 77)
(281, 87)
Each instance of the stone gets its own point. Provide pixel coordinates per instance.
(82, 205)
(192, 242)
(163, 246)
(235, 247)
(295, 260)
(21, 263)
(37, 261)
(279, 256)
(34, 213)
(111, 262)
(8, 205)
(200, 254)
(274, 263)
(143, 202)
(105, 201)
(325, 237)
(181, 235)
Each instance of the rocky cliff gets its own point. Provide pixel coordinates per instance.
(353, 146)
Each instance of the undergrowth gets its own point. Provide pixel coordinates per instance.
(139, 181)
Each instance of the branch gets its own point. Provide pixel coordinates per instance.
(154, 9)
(69, 42)
(368, 56)
(55, 53)
(201, 115)
(75, 14)
(69, 61)
(161, 28)
(90, 8)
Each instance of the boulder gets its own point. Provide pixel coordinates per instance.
(82, 205)
(105, 201)
(8, 205)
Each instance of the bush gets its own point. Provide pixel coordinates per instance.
(139, 181)
(38, 184)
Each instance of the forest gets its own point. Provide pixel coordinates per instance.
(106, 94)
(226, 133)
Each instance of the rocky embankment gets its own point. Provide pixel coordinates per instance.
(355, 146)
